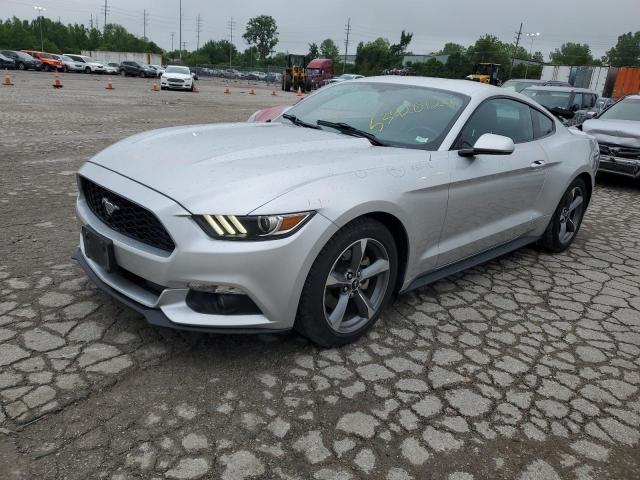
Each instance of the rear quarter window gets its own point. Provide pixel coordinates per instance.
(542, 125)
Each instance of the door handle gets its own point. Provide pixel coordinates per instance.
(538, 164)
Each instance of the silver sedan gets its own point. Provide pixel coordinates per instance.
(314, 220)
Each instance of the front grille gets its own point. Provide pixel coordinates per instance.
(127, 218)
(620, 152)
(176, 80)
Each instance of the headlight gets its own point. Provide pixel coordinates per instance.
(258, 227)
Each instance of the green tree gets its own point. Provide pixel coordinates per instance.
(329, 49)
(452, 48)
(314, 52)
(626, 53)
(398, 49)
(262, 32)
(218, 52)
(572, 54)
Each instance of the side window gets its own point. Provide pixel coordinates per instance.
(589, 100)
(576, 104)
(500, 116)
(542, 125)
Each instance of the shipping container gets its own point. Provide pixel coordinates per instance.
(627, 82)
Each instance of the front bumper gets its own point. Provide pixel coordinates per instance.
(176, 86)
(271, 273)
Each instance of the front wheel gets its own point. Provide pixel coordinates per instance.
(349, 284)
(87, 70)
(21, 66)
(567, 218)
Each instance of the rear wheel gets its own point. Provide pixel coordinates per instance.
(567, 218)
(20, 66)
(348, 285)
(141, 74)
(87, 70)
(287, 83)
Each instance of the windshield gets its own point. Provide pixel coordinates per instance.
(628, 109)
(550, 99)
(398, 115)
(183, 70)
(313, 71)
(517, 85)
(25, 56)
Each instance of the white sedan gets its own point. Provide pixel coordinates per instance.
(176, 78)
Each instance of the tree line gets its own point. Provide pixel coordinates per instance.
(16, 34)
(261, 37)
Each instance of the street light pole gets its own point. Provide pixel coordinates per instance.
(532, 36)
(40, 10)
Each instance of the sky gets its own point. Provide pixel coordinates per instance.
(433, 22)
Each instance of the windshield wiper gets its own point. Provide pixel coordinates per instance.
(353, 131)
(296, 121)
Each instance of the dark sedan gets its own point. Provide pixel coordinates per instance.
(6, 62)
(23, 61)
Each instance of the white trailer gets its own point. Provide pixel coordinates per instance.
(119, 57)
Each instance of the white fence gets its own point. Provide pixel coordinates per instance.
(118, 57)
(593, 78)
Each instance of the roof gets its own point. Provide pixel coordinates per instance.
(466, 87)
(557, 88)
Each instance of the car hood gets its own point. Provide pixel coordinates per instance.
(181, 76)
(236, 168)
(625, 133)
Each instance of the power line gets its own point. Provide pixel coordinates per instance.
(105, 10)
(145, 19)
(346, 44)
(198, 28)
(518, 35)
(231, 25)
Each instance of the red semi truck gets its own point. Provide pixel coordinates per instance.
(320, 71)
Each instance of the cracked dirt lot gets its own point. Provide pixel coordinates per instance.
(527, 367)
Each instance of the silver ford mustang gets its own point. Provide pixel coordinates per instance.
(314, 220)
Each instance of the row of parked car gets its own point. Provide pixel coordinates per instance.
(572, 105)
(71, 62)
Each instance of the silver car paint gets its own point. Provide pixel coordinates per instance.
(450, 207)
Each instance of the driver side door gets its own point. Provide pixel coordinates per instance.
(492, 197)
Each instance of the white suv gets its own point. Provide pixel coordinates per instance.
(90, 65)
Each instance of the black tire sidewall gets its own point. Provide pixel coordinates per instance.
(311, 321)
(551, 240)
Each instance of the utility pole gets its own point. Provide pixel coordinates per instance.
(91, 21)
(231, 24)
(513, 57)
(106, 9)
(180, 35)
(145, 19)
(172, 35)
(40, 10)
(532, 36)
(346, 44)
(198, 28)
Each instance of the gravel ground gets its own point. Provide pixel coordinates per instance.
(527, 367)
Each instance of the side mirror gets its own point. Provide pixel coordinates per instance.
(591, 113)
(562, 113)
(489, 144)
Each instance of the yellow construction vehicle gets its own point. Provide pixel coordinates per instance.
(485, 73)
(295, 75)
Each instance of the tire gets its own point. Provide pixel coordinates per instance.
(320, 304)
(87, 70)
(308, 85)
(141, 74)
(21, 66)
(123, 73)
(47, 68)
(287, 83)
(191, 89)
(566, 221)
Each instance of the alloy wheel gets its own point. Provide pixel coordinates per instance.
(571, 214)
(356, 285)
